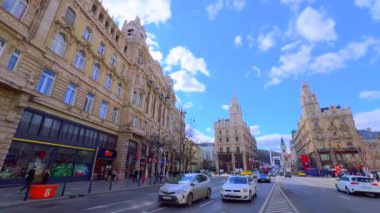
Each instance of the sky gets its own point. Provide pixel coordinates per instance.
(260, 51)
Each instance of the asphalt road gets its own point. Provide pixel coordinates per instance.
(144, 201)
(310, 194)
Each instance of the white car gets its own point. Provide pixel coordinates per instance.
(238, 188)
(358, 184)
(184, 189)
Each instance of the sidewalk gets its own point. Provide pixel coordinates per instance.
(10, 196)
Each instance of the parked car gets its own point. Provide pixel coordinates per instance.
(263, 178)
(281, 173)
(288, 174)
(302, 174)
(238, 188)
(357, 184)
(184, 189)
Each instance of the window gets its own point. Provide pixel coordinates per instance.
(107, 24)
(94, 8)
(70, 94)
(237, 139)
(135, 121)
(113, 60)
(108, 82)
(238, 149)
(115, 114)
(2, 45)
(59, 44)
(101, 48)
(137, 99)
(122, 69)
(95, 72)
(15, 7)
(220, 140)
(101, 16)
(349, 143)
(87, 34)
(227, 140)
(103, 110)
(89, 102)
(14, 60)
(118, 90)
(70, 16)
(80, 59)
(45, 84)
(325, 157)
(228, 149)
(221, 149)
(125, 48)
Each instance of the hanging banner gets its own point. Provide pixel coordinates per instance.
(305, 162)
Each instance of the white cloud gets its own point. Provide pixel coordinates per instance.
(314, 25)
(250, 40)
(225, 106)
(255, 130)
(267, 41)
(370, 119)
(209, 129)
(370, 94)
(153, 47)
(255, 70)
(290, 46)
(188, 105)
(272, 141)
(189, 67)
(186, 82)
(199, 137)
(295, 4)
(372, 5)
(300, 62)
(238, 41)
(149, 11)
(213, 9)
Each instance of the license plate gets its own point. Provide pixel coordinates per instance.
(166, 198)
(232, 194)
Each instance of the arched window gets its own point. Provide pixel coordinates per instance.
(80, 59)
(59, 44)
(70, 16)
(108, 83)
(95, 72)
(15, 7)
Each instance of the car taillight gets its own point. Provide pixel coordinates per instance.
(375, 184)
(354, 183)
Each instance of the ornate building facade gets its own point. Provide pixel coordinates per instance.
(80, 96)
(235, 146)
(325, 137)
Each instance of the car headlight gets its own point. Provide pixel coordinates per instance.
(181, 191)
(243, 190)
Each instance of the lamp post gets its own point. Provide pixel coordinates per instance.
(182, 138)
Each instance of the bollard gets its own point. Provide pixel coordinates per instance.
(111, 185)
(26, 193)
(90, 187)
(63, 190)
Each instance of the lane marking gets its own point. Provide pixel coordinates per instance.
(267, 199)
(204, 204)
(345, 197)
(134, 207)
(287, 199)
(110, 204)
(156, 210)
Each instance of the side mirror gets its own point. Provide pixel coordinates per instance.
(251, 183)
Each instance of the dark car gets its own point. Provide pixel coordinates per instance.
(288, 174)
(263, 178)
(281, 173)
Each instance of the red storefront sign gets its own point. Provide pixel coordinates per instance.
(305, 162)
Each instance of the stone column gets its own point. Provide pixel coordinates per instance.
(120, 162)
(233, 162)
(245, 167)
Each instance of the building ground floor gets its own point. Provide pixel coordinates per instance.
(228, 162)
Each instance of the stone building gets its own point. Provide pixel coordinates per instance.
(371, 148)
(235, 146)
(208, 159)
(80, 96)
(325, 137)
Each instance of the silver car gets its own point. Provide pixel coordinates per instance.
(184, 189)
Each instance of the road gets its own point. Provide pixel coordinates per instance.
(145, 200)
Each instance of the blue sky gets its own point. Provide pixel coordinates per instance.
(260, 51)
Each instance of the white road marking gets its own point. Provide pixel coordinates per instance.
(104, 206)
(287, 199)
(204, 204)
(156, 210)
(134, 207)
(267, 199)
(347, 198)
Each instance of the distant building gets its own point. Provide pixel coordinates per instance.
(325, 137)
(371, 150)
(235, 146)
(208, 155)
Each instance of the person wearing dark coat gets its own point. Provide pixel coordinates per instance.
(29, 178)
(45, 176)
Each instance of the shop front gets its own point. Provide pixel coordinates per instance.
(45, 141)
(103, 163)
(131, 159)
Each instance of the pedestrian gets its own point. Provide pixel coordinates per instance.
(109, 174)
(113, 175)
(45, 176)
(29, 178)
(135, 174)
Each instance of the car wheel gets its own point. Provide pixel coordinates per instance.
(250, 196)
(208, 196)
(347, 191)
(189, 200)
(337, 188)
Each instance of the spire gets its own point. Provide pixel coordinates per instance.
(282, 142)
(235, 110)
(309, 101)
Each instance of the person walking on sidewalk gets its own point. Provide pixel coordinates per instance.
(29, 178)
(135, 174)
(45, 176)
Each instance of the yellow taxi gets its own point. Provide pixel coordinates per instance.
(301, 174)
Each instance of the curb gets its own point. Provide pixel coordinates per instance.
(73, 196)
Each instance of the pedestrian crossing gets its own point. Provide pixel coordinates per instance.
(278, 203)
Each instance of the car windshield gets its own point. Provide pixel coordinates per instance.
(362, 179)
(181, 179)
(237, 180)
